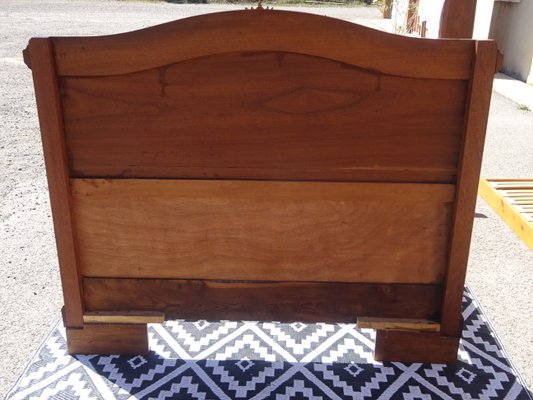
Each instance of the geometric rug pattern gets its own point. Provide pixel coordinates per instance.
(269, 360)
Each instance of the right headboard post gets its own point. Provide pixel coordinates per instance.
(480, 90)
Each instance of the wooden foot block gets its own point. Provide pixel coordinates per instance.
(108, 339)
(409, 346)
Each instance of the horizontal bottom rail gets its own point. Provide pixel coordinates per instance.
(267, 301)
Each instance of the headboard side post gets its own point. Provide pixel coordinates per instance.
(40, 57)
(476, 117)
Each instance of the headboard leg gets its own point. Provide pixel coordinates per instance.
(413, 346)
(123, 339)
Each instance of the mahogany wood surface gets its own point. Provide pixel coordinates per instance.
(55, 157)
(317, 231)
(469, 169)
(457, 20)
(264, 115)
(411, 324)
(267, 301)
(125, 339)
(408, 346)
(263, 165)
(262, 30)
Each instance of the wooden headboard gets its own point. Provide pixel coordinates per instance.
(263, 164)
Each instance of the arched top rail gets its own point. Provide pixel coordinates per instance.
(263, 30)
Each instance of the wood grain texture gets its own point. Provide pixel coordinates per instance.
(251, 230)
(264, 115)
(40, 53)
(512, 199)
(457, 20)
(119, 339)
(266, 301)
(408, 346)
(469, 170)
(123, 317)
(406, 324)
(275, 120)
(242, 31)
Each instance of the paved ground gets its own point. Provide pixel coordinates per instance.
(501, 266)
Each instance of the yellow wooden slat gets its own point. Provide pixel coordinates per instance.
(514, 211)
(513, 185)
(523, 202)
(516, 193)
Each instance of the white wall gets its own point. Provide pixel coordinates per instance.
(399, 16)
(430, 11)
(484, 10)
(512, 28)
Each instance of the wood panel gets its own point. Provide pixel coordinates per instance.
(480, 92)
(252, 230)
(243, 97)
(39, 54)
(264, 115)
(242, 31)
(266, 301)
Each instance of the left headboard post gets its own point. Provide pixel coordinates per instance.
(39, 56)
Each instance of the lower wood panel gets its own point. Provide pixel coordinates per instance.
(268, 301)
(251, 230)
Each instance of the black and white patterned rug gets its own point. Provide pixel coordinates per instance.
(265, 360)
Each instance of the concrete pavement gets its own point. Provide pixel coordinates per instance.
(517, 91)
